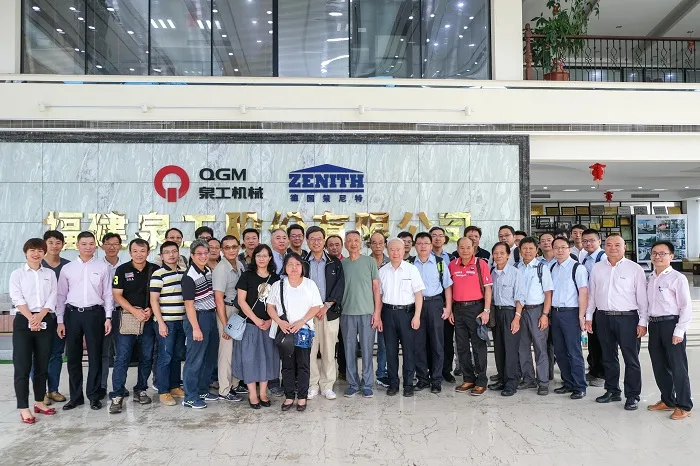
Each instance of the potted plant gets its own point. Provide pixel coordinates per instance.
(551, 51)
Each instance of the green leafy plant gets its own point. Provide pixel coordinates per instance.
(551, 51)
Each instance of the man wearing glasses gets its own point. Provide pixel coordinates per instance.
(111, 245)
(618, 296)
(438, 239)
(591, 254)
(407, 239)
(296, 239)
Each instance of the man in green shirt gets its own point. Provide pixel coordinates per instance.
(361, 313)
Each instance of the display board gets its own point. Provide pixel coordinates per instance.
(652, 228)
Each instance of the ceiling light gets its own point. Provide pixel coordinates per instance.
(78, 50)
(269, 22)
(592, 187)
(466, 27)
(335, 13)
(476, 62)
(427, 40)
(131, 69)
(71, 8)
(269, 12)
(258, 41)
(199, 22)
(410, 17)
(270, 31)
(170, 22)
(255, 22)
(36, 8)
(687, 187)
(59, 30)
(235, 69)
(91, 27)
(80, 18)
(155, 25)
(224, 35)
(544, 187)
(460, 5)
(432, 15)
(110, 8)
(218, 24)
(660, 189)
(129, 32)
(460, 36)
(447, 26)
(208, 24)
(162, 23)
(570, 190)
(471, 17)
(401, 40)
(230, 54)
(214, 11)
(99, 67)
(157, 70)
(472, 45)
(639, 187)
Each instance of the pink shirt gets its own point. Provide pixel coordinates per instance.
(85, 284)
(669, 295)
(621, 287)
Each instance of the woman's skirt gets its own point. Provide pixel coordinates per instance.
(255, 357)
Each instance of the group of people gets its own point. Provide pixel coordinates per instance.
(306, 316)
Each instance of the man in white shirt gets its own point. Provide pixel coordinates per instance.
(401, 287)
(617, 293)
(591, 254)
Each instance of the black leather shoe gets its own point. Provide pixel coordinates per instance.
(421, 386)
(525, 385)
(577, 395)
(497, 386)
(608, 397)
(73, 404)
(392, 391)
(436, 388)
(265, 404)
(286, 407)
(257, 406)
(95, 404)
(631, 404)
(543, 390)
(508, 392)
(563, 390)
(495, 378)
(408, 391)
(448, 377)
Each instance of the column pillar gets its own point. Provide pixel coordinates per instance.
(693, 238)
(10, 36)
(507, 40)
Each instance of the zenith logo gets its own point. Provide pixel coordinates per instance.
(171, 194)
(325, 179)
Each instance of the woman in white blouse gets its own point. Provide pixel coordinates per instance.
(302, 301)
(33, 293)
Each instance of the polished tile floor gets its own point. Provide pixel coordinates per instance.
(427, 429)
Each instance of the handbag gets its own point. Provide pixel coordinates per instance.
(128, 323)
(235, 327)
(304, 338)
(284, 341)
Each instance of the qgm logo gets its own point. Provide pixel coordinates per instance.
(326, 178)
(171, 194)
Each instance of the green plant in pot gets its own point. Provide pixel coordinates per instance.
(551, 51)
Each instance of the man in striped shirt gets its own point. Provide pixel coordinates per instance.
(169, 311)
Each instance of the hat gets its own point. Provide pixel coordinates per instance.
(482, 331)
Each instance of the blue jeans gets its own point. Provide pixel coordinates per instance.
(201, 355)
(169, 364)
(58, 344)
(123, 347)
(381, 356)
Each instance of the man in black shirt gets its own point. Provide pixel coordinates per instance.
(131, 294)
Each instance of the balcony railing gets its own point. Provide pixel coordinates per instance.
(624, 59)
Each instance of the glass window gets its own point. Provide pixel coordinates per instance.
(314, 38)
(384, 39)
(180, 38)
(54, 37)
(117, 37)
(243, 37)
(456, 39)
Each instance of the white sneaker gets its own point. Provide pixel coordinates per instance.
(329, 394)
(311, 394)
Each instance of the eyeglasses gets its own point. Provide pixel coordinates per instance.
(201, 253)
(111, 245)
(660, 254)
(230, 248)
(589, 241)
(561, 248)
(205, 238)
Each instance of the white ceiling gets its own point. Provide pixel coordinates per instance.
(636, 17)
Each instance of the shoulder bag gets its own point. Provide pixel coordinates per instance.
(128, 323)
(284, 341)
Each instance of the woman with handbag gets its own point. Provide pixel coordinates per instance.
(293, 303)
(255, 357)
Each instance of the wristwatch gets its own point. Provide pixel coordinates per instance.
(108, 318)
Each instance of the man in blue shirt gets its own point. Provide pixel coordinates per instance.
(591, 254)
(429, 344)
(569, 302)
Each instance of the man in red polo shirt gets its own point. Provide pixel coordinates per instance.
(471, 292)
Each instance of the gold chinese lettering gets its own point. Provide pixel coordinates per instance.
(198, 220)
(454, 223)
(236, 222)
(112, 222)
(67, 223)
(152, 228)
(331, 223)
(368, 223)
(295, 217)
(422, 217)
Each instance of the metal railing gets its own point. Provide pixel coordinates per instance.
(623, 59)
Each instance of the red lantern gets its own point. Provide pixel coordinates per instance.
(597, 170)
(608, 196)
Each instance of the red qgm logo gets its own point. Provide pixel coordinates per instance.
(171, 194)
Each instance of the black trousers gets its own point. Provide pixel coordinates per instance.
(469, 344)
(550, 351)
(91, 325)
(340, 353)
(31, 348)
(449, 347)
(622, 331)
(429, 342)
(595, 352)
(397, 329)
(670, 364)
(296, 373)
(506, 347)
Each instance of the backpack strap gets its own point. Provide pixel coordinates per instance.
(599, 256)
(540, 266)
(481, 279)
(516, 255)
(284, 309)
(411, 259)
(440, 263)
(573, 275)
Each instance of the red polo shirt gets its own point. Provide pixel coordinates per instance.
(466, 285)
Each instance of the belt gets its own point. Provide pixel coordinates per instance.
(469, 303)
(408, 307)
(504, 308)
(206, 310)
(529, 307)
(620, 313)
(229, 303)
(662, 318)
(83, 309)
(562, 309)
(432, 298)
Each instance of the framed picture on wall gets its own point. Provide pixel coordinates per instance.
(583, 210)
(568, 210)
(625, 221)
(552, 210)
(609, 222)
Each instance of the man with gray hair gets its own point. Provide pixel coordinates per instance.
(200, 327)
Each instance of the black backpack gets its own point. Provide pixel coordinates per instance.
(573, 273)
(439, 262)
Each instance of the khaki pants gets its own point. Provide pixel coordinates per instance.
(324, 371)
(226, 382)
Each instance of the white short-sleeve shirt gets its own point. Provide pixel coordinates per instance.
(399, 285)
(297, 301)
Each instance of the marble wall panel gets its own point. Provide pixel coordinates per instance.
(237, 156)
(390, 163)
(447, 163)
(444, 197)
(394, 198)
(131, 199)
(6, 268)
(280, 159)
(190, 157)
(70, 162)
(495, 201)
(20, 202)
(128, 163)
(12, 239)
(70, 197)
(352, 156)
(189, 204)
(494, 162)
(20, 162)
